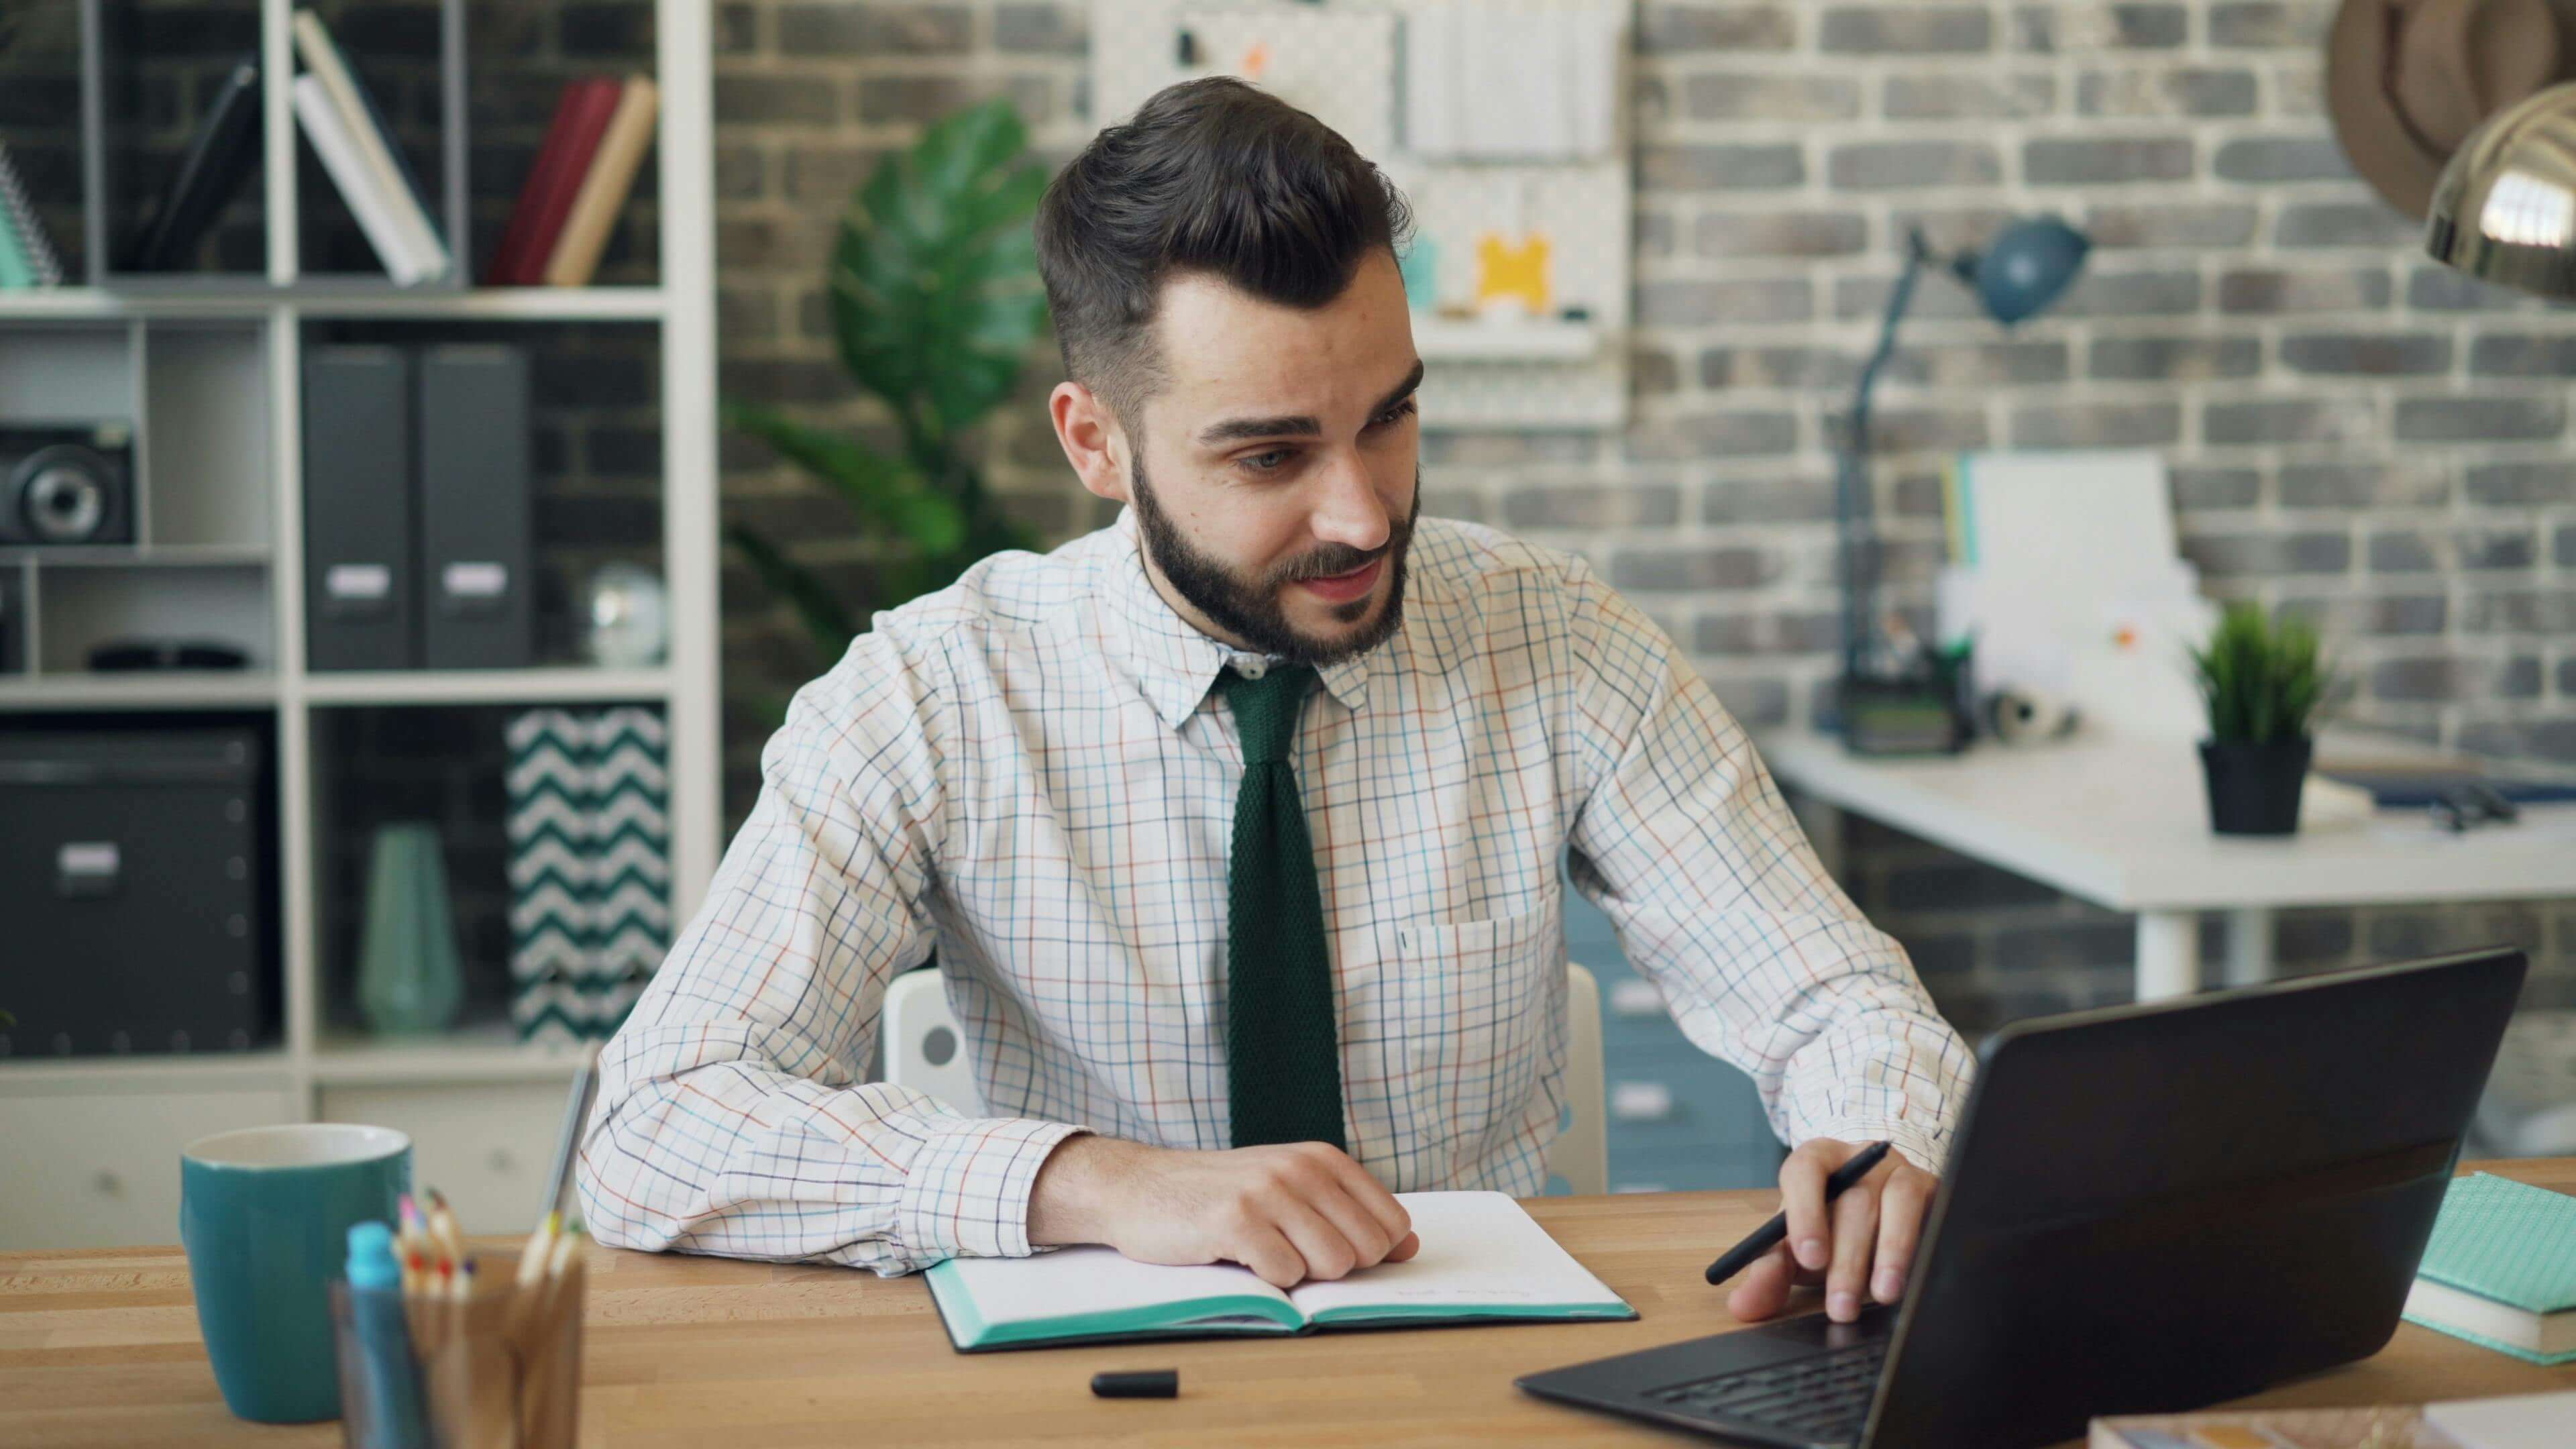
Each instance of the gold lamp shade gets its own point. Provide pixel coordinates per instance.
(2505, 208)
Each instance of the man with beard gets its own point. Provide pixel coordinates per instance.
(1235, 829)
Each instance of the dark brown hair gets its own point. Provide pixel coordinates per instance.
(1210, 176)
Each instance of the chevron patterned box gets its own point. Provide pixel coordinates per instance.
(590, 867)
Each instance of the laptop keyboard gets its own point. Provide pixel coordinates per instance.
(1824, 1396)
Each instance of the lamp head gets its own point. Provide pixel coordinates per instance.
(2025, 268)
(2504, 210)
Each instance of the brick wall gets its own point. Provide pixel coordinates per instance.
(2352, 431)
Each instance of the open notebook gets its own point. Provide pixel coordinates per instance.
(1482, 1259)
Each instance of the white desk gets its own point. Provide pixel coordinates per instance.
(2126, 825)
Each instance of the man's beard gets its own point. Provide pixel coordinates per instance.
(1250, 609)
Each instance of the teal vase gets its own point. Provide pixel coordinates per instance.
(408, 977)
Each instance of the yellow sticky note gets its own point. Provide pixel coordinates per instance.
(1504, 270)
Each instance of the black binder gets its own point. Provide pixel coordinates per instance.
(474, 512)
(220, 155)
(361, 589)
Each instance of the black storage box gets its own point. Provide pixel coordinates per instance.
(135, 875)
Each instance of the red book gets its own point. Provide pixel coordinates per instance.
(572, 139)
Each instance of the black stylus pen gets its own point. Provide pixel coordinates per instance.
(1768, 1236)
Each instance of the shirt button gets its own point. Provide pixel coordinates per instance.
(1251, 666)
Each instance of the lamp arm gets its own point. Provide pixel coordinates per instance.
(1853, 505)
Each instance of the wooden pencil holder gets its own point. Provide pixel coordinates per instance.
(499, 1371)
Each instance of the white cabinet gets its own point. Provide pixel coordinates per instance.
(91, 1169)
(487, 1146)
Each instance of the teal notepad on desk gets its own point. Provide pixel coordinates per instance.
(1483, 1260)
(2500, 1269)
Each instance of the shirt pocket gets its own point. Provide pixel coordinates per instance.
(1480, 1030)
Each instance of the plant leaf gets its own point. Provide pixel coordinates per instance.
(881, 490)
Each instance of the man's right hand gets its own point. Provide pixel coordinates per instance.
(1291, 1212)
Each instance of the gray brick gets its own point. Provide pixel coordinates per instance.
(2179, 224)
(926, 98)
(2519, 611)
(2485, 547)
(2289, 420)
(1692, 566)
(2177, 359)
(828, 173)
(1756, 702)
(2413, 484)
(2076, 28)
(1683, 29)
(2370, 224)
(1654, 232)
(2401, 551)
(2272, 159)
(2376, 615)
(1911, 29)
(776, 100)
(2263, 555)
(1889, 165)
(2479, 419)
(1985, 364)
(2095, 162)
(2367, 354)
(1691, 302)
(1593, 505)
(2276, 290)
(2446, 677)
(1821, 368)
(1781, 234)
(1710, 435)
(742, 172)
(2524, 739)
(1768, 500)
(2523, 355)
(1867, 297)
(2563, 549)
(2097, 425)
(2100, 293)
(1962, 885)
(737, 29)
(1057, 29)
(2179, 91)
(1767, 632)
(2064, 946)
(874, 28)
(1653, 371)
(2211, 490)
(1769, 96)
(1927, 429)
(2270, 24)
(2521, 485)
(2439, 289)
(1719, 168)
(1950, 96)
(1950, 228)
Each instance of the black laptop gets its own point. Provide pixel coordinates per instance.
(2148, 1209)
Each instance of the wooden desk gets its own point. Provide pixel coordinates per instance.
(100, 1348)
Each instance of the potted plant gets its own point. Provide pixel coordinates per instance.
(2264, 682)
(935, 303)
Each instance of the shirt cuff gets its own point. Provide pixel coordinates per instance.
(1927, 1148)
(966, 1193)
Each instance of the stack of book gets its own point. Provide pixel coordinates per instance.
(27, 255)
(346, 130)
(579, 183)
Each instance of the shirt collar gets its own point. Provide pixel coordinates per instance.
(1172, 662)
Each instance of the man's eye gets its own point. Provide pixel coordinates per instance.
(1256, 465)
(1395, 414)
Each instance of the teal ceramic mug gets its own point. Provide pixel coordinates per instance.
(265, 1215)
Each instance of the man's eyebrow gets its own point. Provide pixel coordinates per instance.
(1302, 424)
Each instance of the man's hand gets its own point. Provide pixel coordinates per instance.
(1290, 1212)
(1862, 1242)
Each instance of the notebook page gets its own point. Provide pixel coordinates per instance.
(1480, 1250)
(1093, 1280)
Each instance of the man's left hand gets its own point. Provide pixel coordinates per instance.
(1860, 1243)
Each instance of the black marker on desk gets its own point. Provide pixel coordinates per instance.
(1768, 1236)
(1138, 1384)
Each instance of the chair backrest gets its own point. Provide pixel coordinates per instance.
(921, 1048)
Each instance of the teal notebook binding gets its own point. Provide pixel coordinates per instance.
(1483, 1260)
(2512, 1248)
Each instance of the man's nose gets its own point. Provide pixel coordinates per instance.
(1350, 511)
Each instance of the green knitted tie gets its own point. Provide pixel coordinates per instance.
(1283, 1067)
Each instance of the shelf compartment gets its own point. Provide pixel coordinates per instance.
(206, 459)
(409, 59)
(147, 90)
(79, 609)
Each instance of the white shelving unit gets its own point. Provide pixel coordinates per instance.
(481, 1109)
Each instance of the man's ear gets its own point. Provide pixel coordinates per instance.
(1092, 439)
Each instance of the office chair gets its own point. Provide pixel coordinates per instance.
(921, 1048)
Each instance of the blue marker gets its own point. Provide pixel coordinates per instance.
(392, 1378)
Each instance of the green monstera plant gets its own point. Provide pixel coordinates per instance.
(935, 301)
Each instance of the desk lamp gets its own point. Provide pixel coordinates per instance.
(1890, 704)
(2504, 210)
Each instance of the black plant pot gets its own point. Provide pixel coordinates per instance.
(2254, 789)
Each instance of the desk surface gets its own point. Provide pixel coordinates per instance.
(2125, 824)
(101, 1348)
